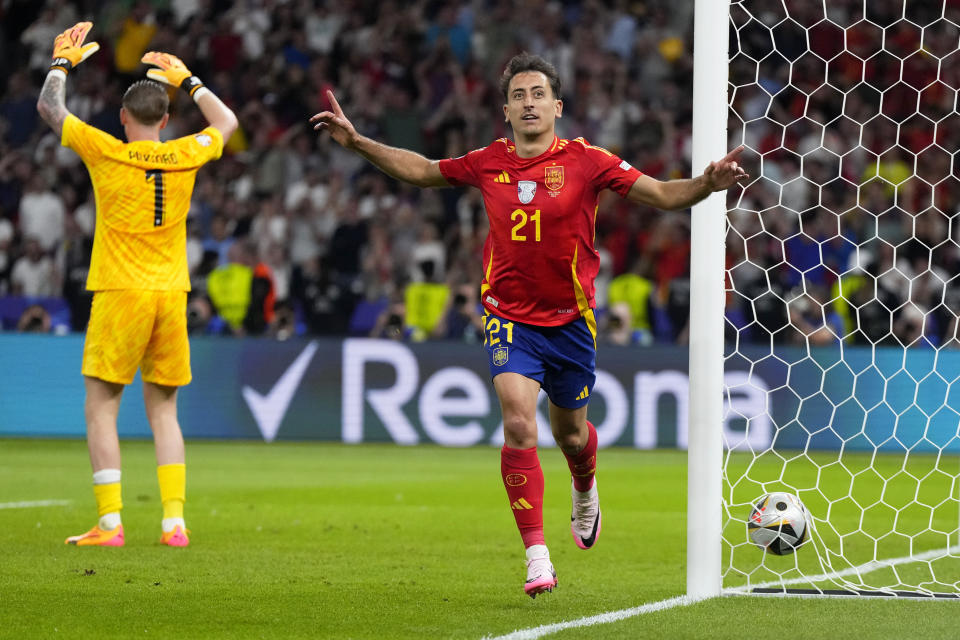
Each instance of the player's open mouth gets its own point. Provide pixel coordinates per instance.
(530, 116)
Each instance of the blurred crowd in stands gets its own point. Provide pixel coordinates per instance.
(291, 235)
(850, 228)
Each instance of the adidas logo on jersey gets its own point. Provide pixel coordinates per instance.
(584, 394)
(520, 505)
(503, 178)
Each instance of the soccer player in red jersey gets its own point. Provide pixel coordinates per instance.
(539, 263)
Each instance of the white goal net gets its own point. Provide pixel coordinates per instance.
(843, 267)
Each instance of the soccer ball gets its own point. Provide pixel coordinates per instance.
(779, 523)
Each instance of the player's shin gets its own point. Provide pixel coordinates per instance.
(583, 465)
(523, 480)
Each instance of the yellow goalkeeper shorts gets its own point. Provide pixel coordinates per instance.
(131, 329)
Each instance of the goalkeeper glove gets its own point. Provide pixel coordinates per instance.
(172, 71)
(68, 47)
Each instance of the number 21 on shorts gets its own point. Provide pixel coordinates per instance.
(491, 333)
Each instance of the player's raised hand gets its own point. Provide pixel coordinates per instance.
(171, 71)
(726, 172)
(68, 47)
(336, 123)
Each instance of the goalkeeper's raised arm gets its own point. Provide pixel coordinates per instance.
(172, 71)
(398, 163)
(69, 51)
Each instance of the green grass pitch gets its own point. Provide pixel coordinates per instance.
(306, 540)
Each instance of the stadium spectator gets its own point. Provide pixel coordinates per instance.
(261, 311)
(270, 224)
(42, 214)
(18, 117)
(390, 324)
(314, 292)
(15, 172)
(425, 302)
(448, 29)
(134, 34)
(225, 46)
(346, 248)
(812, 322)
(635, 292)
(462, 317)
(74, 258)
(428, 256)
(53, 18)
(374, 197)
(34, 274)
(378, 263)
(276, 260)
(199, 313)
(230, 287)
(668, 249)
(220, 240)
(35, 319)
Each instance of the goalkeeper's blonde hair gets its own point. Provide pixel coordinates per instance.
(147, 101)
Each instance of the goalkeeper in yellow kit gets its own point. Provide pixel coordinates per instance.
(138, 270)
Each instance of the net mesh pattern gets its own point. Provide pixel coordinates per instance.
(841, 360)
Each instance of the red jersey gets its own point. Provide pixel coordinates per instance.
(539, 260)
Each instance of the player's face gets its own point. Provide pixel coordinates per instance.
(531, 107)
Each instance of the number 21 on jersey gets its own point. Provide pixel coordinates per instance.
(521, 218)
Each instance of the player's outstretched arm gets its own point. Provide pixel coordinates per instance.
(68, 52)
(398, 163)
(681, 194)
(51, 105)
(172, 71)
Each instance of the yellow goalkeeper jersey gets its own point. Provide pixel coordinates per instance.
(142, 191)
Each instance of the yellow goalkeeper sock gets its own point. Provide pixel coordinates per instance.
(106, 490)
(108, 498)
(173, 489)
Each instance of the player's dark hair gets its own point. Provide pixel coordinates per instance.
(146, 101)
(529, 62)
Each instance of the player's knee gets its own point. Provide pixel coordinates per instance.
(519, 432)
(571, 443)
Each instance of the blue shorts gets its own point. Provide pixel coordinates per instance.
(562, 359)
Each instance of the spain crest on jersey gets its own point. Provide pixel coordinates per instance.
(553, 178)
(500, 356)
(526, 189)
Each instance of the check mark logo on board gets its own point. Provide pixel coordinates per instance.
(268, 410)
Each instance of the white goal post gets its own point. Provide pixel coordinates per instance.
(827, 289)
(706, 304)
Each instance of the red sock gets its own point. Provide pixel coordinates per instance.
(523, 480)
(584, 464)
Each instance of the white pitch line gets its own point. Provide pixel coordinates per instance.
(682, 601)
(602, 618)
(34, 503)
(866, 567)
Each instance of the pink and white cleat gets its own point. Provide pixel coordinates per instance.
(541, 576)
(585, 516)
(97, 537)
